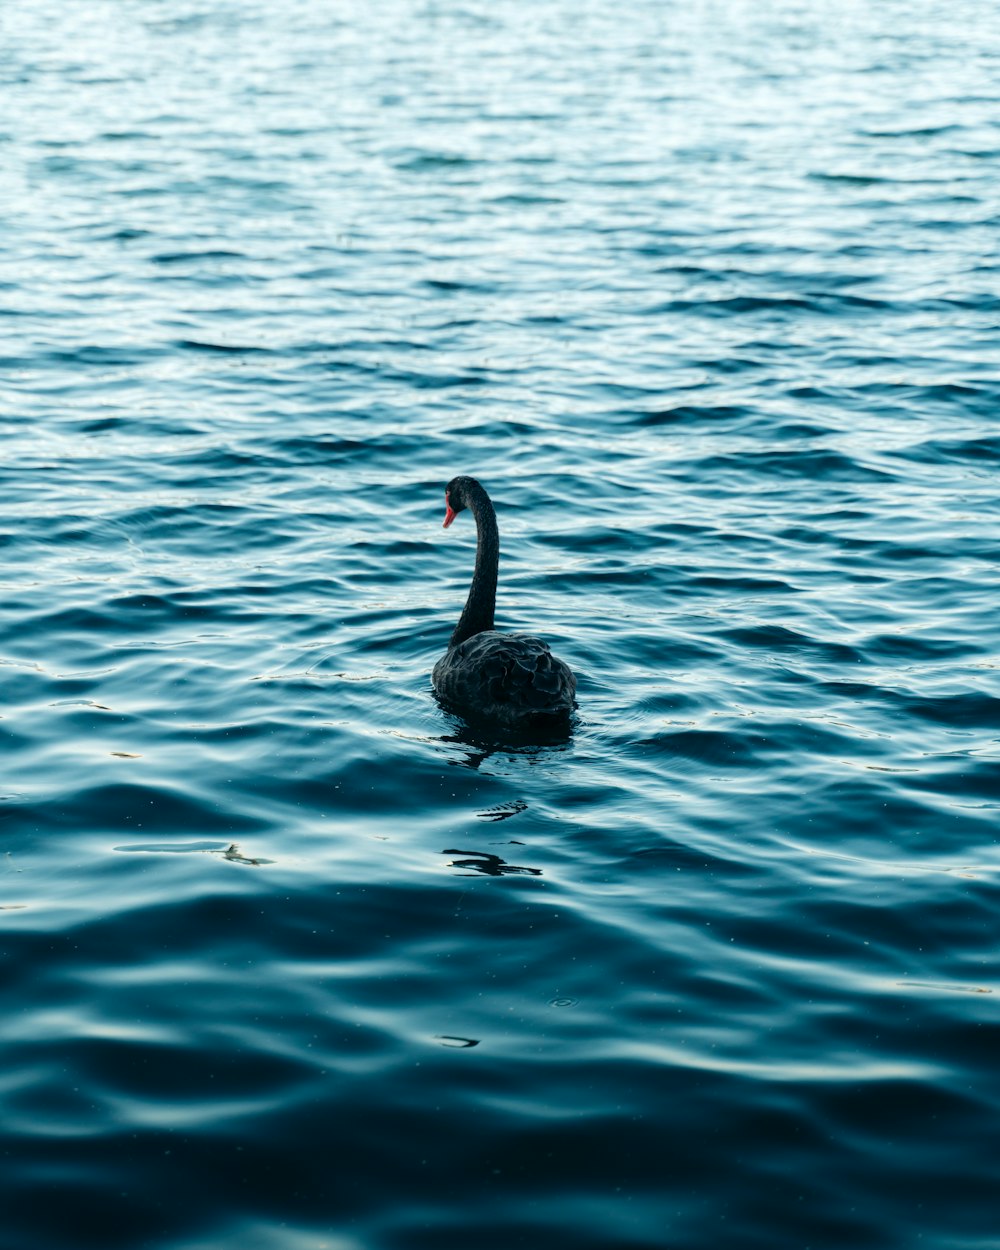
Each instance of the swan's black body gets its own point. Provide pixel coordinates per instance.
(509, 678)
(513, 679)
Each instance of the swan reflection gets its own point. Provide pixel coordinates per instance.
(489, 865)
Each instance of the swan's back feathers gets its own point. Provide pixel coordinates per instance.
(505, 677)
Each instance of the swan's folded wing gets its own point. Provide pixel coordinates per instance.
(520, 672)
(505, 676)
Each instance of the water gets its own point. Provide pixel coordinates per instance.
(707, 296)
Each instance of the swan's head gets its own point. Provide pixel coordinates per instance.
(456, 497)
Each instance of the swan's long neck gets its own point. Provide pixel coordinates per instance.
(477, 614)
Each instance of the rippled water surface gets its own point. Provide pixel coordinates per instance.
(707, 296)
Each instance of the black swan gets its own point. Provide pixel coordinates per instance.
(512, 679)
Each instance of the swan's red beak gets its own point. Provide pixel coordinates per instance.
(450, 514)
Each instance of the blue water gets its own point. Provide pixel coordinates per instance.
(707, 296)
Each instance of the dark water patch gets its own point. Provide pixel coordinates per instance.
(128, 234)
(689, 415)
(857, 180)
(435, 162)
(779, 638)
(445, 284)
(155, 809)
(737, 584)
(682, 858)
(932, 451)
(712, 748)
(320, 450)
(966, 710)
(527, 198)
(223, 348)
(92, 355)
(184, 258)
(735, 305)
(963, 779)
(914, 132)
(901, 647)
(427, 380)
(813, 464)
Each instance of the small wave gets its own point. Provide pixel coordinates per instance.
(195, 257)
(223, 348)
